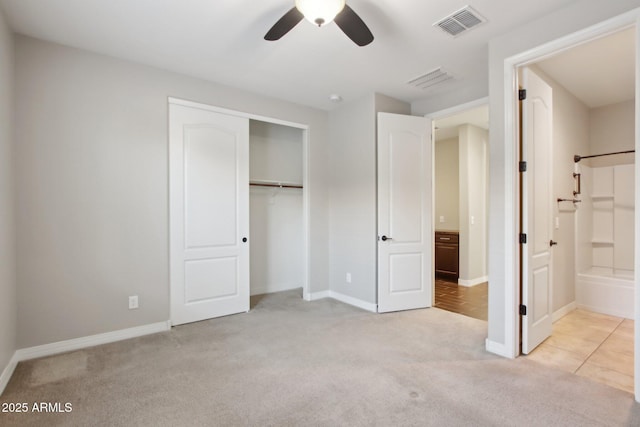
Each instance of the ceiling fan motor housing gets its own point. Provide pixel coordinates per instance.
(320, 12)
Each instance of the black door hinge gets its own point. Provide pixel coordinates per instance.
(522, 166)
(522, 94)
(523, 238)
(523, 310)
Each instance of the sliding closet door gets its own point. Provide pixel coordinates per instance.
(209, 214)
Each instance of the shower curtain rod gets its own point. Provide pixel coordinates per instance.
(577, 158)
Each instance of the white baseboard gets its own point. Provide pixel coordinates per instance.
(7, 372)
(473, 282)
(270, 289)
(559, 314)
(354, 301)
(345, 299)
(314, 296)
(626, 314)
(497, 348)
(90, 341)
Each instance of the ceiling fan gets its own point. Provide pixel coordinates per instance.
(322, 12)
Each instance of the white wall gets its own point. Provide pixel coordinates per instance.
(473, 155)
(92, 189)
(275, 154)
(447, 185)
(611, 129)
(8, 315)
(502, 227)
(353, 223)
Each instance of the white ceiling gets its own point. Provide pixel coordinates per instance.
(601, 72)
(222, 41)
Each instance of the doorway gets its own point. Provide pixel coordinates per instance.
(460, 209)
(579, 314)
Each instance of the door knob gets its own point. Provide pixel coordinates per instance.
(552, 243)
(385, 238)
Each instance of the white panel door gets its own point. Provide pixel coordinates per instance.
(405, 227)
(209, 214)
(537, 113)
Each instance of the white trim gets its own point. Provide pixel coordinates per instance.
(458, 108)
(560, 313)
(345, 299)
(319, 295)
(497, 348)
(207, 107)
(306, 216)
(306, 183)
(473, 282)
(511, 324)
(354, 301)
(8, 372)
(90, 341)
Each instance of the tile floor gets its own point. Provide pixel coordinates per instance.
(470, 301)
(593, 345)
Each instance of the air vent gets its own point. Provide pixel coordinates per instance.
(430, 79)
(460, 21)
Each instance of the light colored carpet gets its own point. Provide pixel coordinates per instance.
(294, 363)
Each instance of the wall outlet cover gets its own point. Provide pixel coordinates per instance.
(133, 302)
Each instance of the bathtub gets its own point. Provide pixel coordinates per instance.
(607, 291)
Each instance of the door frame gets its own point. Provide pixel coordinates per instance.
(511, 128)
(306, 295)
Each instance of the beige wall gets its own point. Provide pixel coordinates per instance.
(447, 185)
(92, 181)
(473, 162)
(612, 128)
(7, 230)
(353, 223)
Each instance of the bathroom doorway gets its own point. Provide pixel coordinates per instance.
(584, 294)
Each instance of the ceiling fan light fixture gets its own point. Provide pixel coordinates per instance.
(320, 12)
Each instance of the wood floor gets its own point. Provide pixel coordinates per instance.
(470, 301)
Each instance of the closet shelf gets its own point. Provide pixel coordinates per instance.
(277, 184)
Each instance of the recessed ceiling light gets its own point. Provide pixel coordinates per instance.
(335, 98)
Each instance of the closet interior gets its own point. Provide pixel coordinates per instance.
(276, 207)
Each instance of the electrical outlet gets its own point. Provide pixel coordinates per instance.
(348, 277)
(133, 302)
(441, 218)
(473, 220)
(557, 223)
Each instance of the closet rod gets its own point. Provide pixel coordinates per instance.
(275, 184)
(577, 158)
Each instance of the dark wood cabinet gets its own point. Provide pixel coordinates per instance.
(447, 254)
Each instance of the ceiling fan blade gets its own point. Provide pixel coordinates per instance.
(284, 25)
(353, 26)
